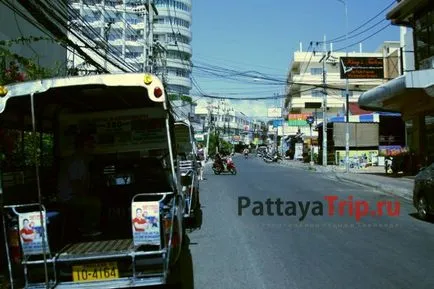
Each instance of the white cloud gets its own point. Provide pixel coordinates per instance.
(251, 108)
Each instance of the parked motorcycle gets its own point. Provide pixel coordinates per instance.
(272, 158)
(228, 167)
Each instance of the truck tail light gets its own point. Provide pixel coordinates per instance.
(175, 235)
(14, 244)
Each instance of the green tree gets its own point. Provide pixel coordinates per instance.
(223, 145)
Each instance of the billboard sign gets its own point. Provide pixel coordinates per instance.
(274, 112)
(298, 119)
(277, 123)
(361, 67)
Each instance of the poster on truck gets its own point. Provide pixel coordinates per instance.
(31, 233)
(146, 223)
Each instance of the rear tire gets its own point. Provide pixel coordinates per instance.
(422, 208)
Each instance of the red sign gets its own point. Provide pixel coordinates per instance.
(299, 116)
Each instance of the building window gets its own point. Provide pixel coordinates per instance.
(424, 39)
(316, 71)
(317, 93)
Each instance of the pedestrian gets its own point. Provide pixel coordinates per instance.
(201, 157)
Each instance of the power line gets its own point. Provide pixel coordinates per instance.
(366, 38)
(361, 26)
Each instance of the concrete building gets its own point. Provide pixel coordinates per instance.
(140, 37)
(234, 126)
(172, 28)
(47, 53)
(305, 78)
(122, 25)
(412, 93)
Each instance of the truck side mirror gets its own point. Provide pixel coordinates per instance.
(186, 180)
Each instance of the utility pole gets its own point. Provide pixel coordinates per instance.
(324, 106)
(347, 100)
(150, 37)
(106, 44)
(209, 107)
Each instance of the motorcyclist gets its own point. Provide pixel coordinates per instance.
(219, 160)
(246, 152)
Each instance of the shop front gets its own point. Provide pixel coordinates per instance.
(412, 93)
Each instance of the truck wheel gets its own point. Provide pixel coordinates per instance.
(177, 276)
(422, 208)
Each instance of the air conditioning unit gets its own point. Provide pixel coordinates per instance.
(427, 63)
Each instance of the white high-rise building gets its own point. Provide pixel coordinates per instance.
(140, 37)
(121, 24)
(172, 28)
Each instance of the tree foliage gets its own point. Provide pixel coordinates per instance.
(17, 68)
(223, 146)
(23, 148)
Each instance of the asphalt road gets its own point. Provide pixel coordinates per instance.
(232, 251)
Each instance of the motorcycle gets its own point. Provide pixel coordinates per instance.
(246, 155)
(228, 167)
(272, 158)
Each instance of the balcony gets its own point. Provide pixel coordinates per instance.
(134, 42)
(178, 80)
(186, 48)
(167, 29)
(116, 42)
(177, 63)
(163, 11)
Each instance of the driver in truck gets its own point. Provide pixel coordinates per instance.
(75, 189)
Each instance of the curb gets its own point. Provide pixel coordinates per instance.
(392, 190)
(386, 189)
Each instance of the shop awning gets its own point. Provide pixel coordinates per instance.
(358, 118)
(381, 98)
(366, 118)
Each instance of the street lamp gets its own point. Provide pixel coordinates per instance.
(347, 97)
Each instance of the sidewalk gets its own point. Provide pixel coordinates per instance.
(370, 176)
(401, 187)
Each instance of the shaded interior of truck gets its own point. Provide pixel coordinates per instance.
(115, 178)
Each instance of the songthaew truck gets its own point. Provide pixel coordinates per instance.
(189, 167)
(91, 195)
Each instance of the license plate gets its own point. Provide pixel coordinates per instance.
(95, 272)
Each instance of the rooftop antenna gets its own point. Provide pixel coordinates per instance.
(301, 46)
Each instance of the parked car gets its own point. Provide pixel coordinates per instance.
(423, 193)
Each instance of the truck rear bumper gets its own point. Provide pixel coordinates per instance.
(118, 283)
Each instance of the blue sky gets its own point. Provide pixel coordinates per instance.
(258, 35)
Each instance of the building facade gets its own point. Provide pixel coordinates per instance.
(232, 125)
(119, 28)
(141, 35)
(172, 28)
(412, 93)
(305, 85)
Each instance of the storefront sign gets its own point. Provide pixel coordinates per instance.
(362, 67)
(298, 119)
(390, 151)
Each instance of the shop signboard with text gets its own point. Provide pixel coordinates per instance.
(298, 119)
(362, 67)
